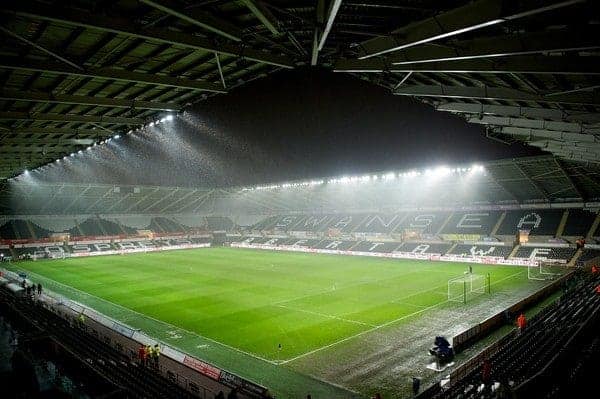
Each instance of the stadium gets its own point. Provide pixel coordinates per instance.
(299, 199)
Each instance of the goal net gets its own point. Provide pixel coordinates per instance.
(546, 270)
(467, 287)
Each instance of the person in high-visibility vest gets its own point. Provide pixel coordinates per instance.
(156, 354)
(81, 320)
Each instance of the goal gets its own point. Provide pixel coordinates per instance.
(546, 270)
(467, 287)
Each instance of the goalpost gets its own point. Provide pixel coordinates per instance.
(546, 270)
(467, 287)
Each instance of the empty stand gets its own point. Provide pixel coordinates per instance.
(338, 245)
(373, 246)
(425, 248)
(379, 223)
(473, 222)
(579, 222)
(19, 229)
(424, 222)
(557, 253)
(481, 250)
(219, 223)
(589, 254)
(541, 222)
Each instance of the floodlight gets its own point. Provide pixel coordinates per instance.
(117, 136)
(72, 154)
(151, 123)
(80, 152)
(169, 117)
(26, 172)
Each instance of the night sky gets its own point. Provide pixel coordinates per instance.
(291, 125)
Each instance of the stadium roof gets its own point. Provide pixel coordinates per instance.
(530, 180)
(74, 73)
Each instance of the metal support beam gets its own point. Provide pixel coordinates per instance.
(220, 70)
(41, 48)
(520, 112)
(263, 15)
(495, 93)
(197, 17)
(575, 186)
(404, 79)
(503, 185)
(109, 73)
(46, 142)
(573, 153)
(75, 17)
(24, 116)
(473, 16)
(517, 43)
(191, 192)
(331, 14)
(317, 32)
(534, 124)
(57, 131)
(509, 65)
(532, 134)
(541, 189)
(36, 96)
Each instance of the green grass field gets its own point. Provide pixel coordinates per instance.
(251, 300)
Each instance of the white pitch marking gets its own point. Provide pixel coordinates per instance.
(163, 322)
(328, 290)
(329, 316)
(379, 326)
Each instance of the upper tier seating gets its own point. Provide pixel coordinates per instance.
(472, 222)
(579, 222)
(19, 230)
(424, 222)
(540, 222)
(379, 223)
(161, 224)
(219, 223)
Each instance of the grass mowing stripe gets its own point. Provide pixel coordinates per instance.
(156, 320)
(326, 315)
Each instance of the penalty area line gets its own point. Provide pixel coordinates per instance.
(380, 326)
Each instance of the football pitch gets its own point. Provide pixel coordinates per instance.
(276, 307)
